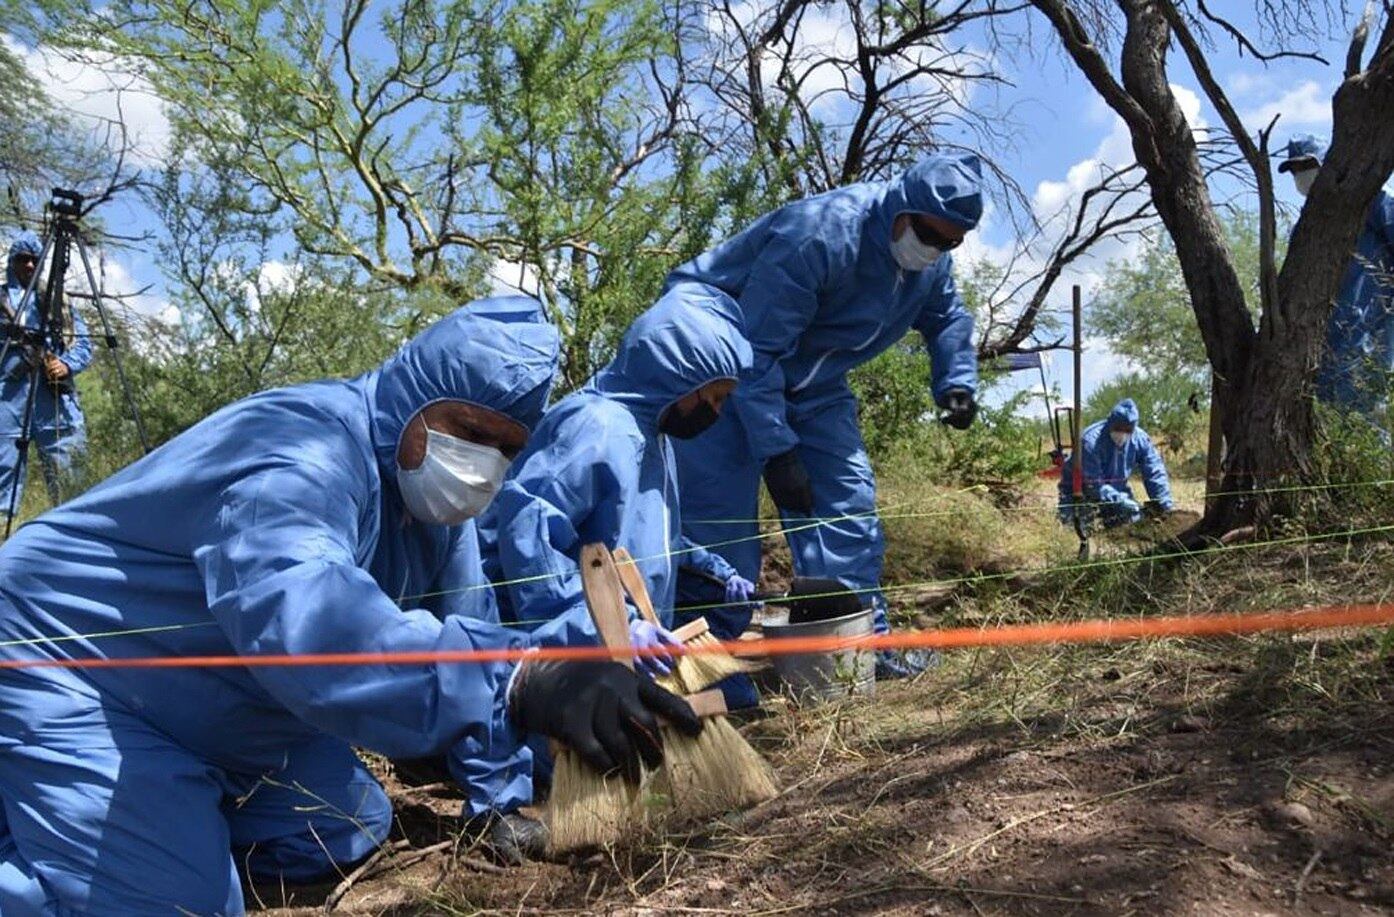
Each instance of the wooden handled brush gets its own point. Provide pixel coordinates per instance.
(695, 672)
(600, 583)
(588, 809)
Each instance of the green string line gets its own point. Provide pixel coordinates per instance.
(1047, 500)
(983, 577)
(409, 599)
(160, 628)
(1086, 565)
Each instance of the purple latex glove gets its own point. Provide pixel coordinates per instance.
(739, 589)
(643, 635)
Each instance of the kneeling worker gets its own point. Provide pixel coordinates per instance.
(282, 524)
(1112, 450)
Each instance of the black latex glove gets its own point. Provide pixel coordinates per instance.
(788, 483)
(959, 408)
(604, 711)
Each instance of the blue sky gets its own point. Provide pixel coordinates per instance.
(1064, 133)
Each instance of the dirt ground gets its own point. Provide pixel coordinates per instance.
(1217, 776)
(1152, 795)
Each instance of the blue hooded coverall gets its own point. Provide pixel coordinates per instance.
(273, 526)
(1107, 469)
(57, 426)
(1360, 334)
(598, 470)
(821, 294)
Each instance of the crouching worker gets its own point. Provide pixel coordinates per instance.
(600, 468)
(283, 524)
(1113, 449)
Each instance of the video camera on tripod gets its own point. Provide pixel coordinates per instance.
(41, 343)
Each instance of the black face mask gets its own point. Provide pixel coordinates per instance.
(686, 426)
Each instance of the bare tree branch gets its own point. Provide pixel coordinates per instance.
(1356, 52)
(1256, 157)
(1246, 45)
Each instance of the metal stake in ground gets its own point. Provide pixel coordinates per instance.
(1081, 529)
(61, 236)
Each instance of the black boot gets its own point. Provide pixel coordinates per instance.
(513, 839)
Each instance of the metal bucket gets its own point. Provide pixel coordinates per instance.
(816, 677)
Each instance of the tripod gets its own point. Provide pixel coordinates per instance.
(60, 239)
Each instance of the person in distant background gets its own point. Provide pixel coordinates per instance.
(1113, 449)
(57, 426)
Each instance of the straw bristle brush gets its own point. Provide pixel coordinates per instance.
(586, 808)
(717, 770)
(712, 664)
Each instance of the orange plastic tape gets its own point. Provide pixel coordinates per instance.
(1095, 631)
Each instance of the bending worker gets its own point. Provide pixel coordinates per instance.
(282, 524)
(824, 285)
(1359, 353)
(56, 426)
(1113, 449)
(600, 468)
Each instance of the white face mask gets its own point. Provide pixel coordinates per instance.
(1120, 439)
(912, 254)
(455, 482)
(1304, 179)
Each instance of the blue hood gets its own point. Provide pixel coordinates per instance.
(945, 185)
(692, 336)
(1302, 146)
(507, 366)
(1124, 411)
(26, 243)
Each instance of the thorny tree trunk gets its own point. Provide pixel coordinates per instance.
(1179, 191)
(1263, 376)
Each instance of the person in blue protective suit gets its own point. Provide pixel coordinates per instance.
(600, 468)
(57, 426)
(284, 524)
(1359, 353)
(824, 285)
(1113, 449)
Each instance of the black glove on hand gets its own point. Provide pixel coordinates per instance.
(604, 711)
(960, 408)
(788, 483)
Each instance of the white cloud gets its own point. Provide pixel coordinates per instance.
(277, 277)
(822, 35)
(1054, 203)
(1305, 105)
(272, 278)
(99, 93)
(508, 277)
(1248, 83)
(1190, 107)
(822, 60)
(121, 292)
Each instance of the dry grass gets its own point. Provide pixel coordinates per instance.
(1232, 775)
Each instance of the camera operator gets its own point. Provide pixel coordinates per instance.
(57, 427)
